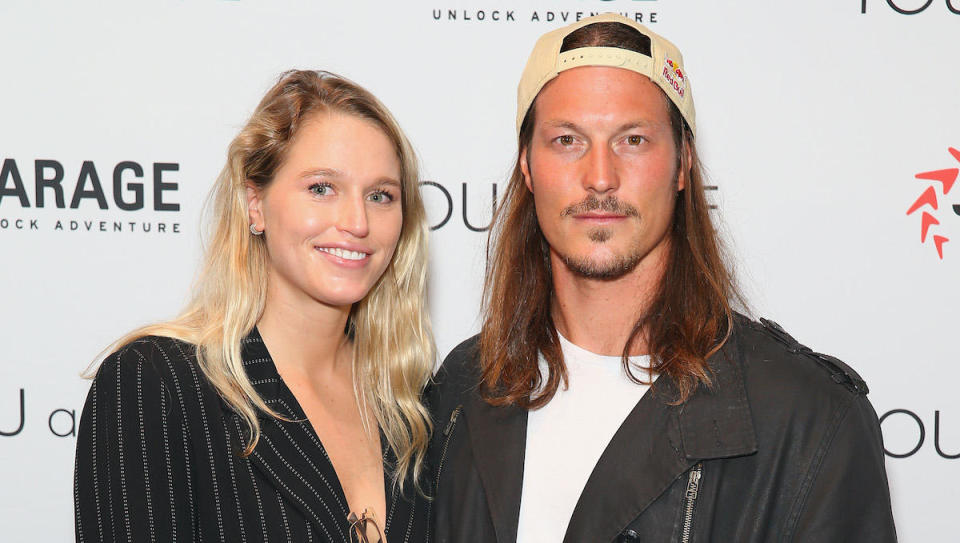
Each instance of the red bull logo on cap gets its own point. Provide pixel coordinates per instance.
(674, 76)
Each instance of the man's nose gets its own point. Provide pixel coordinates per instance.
(600, 175)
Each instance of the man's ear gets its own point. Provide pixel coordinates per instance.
(255, 206)
(525, 168)
(685, 164)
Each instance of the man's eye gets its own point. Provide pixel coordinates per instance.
(635, 140)
(320, 189)
(565, 140)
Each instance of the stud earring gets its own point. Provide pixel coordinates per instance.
(254, 231)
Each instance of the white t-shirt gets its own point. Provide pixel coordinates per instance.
(566, 437)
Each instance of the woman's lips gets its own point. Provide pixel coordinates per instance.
(345, 254)
(349, 257)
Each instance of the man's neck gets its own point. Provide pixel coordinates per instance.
(599, 314)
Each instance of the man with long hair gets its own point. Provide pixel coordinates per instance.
(614, 393)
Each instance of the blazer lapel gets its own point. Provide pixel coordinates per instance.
(657, 442)
(498, 438)
(288, 453)
(283, 460)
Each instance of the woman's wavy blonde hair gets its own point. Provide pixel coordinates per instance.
(393, 349)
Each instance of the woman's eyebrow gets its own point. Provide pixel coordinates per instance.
(322, 172)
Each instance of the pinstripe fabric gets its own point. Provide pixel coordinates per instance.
(158, 459)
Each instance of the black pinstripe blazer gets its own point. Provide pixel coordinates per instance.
(157, 459)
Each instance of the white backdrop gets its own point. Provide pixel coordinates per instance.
(814, 119)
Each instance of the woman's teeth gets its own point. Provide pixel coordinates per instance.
(343, 253)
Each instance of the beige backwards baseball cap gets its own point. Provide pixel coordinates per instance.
(664, 66)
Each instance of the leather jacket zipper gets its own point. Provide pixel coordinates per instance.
(689, 500)
(447, 433)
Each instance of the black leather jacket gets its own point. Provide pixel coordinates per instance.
(785, 448)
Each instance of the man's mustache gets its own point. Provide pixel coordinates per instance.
(610, 204)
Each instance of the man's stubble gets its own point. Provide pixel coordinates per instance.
(605, 269)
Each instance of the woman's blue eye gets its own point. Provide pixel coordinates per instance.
(381, 196)
(320, 189)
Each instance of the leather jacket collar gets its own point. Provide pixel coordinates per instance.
(656, 443)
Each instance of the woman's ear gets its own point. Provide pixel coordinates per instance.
(255, 206)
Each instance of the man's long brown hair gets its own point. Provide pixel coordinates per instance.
(689, 316)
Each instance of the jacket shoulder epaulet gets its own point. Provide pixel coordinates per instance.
(840, 372)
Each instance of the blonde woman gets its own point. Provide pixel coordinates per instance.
(284, 403)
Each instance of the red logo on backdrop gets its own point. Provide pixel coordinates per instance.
(928, 203)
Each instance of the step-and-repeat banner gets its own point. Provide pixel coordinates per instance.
(831, 129)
